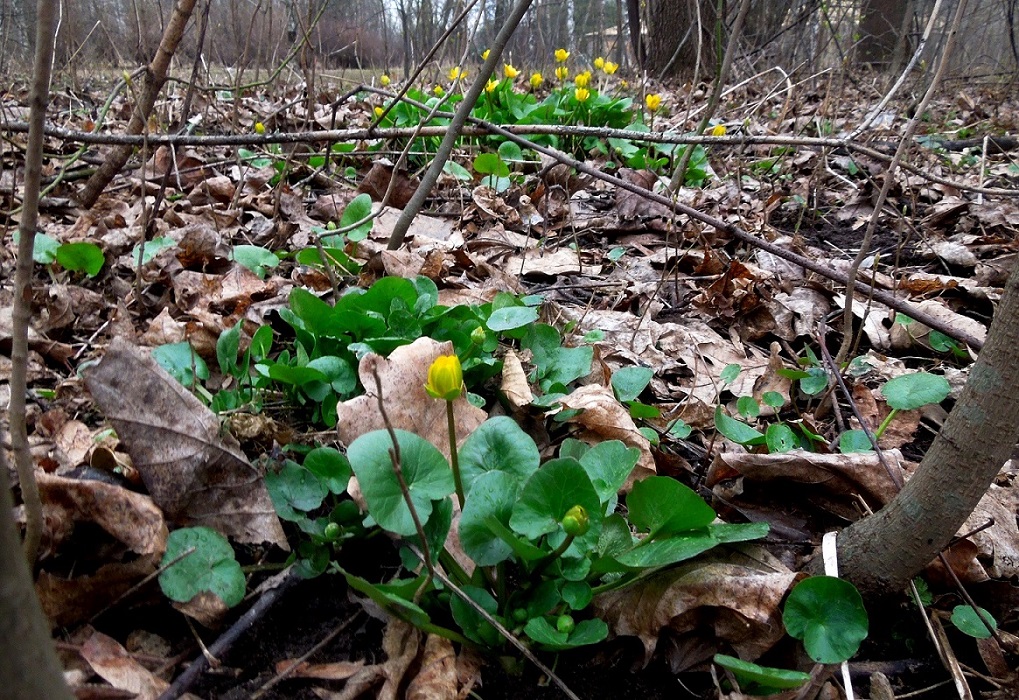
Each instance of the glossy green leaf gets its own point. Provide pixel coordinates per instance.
(543, 633)
(498, 444)
(559, 485)
(492, 496)
(662, 506)
(360, 208)
(81, 257)
(737, 431)
(152, 248)
(425, 471)
(608, 464)
(255, 258)
(491, 164)
(629, 382)
(965, 618)
(761, 680)
(854, 441)
(210, 568)
(182, 362)
(474, 626)
(294, 491)
(779, 438)
(911, 391)
(330, 466)
(828, 616)
(511, 317)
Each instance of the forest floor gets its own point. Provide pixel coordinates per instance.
(231, 232)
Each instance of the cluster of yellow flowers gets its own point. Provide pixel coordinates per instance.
(607, 67)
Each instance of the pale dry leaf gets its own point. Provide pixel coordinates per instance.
(437, 677)
(997, 545)
(409, 407)
(330, 671)
(604, 418)
(118, 668)
(194, 471)
(132, 518)
(402, 644)
(206, 607)
(514, 386)
(727, 603)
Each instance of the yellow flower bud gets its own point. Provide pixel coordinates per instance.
(456, 72)
(576, 522)
(581, 94)
(439, 90)
(509, 71)
(491, 85)
(485, 53)
(583, 79)
(259, 128)
(379, 111)
(561, 55)
(445, 378)
(536, 80)
(384, 81)
(718, 130)
(610, 68)
(653, 101)
(562, 72)
(599, 63)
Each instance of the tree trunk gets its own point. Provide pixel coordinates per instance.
(679, 36)
(880, 26)
(881, 553)
(29, 668)
(155, 76)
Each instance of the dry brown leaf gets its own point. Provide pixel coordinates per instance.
(118, 668)
(194, 472)
(331, 671)
(728, 604)
(68, 601)
(838, 475)
(131, 518)
(409, 407)
(514, 386)
(997, 545)
(437, 678)
(604, 418)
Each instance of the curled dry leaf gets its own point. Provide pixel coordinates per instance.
(834, 480)
(409, 407)
(728, 605)
(514, 382)
(69, 601)
(604, 418)
(118, 668)
(193, 471)
(437, 678)
(131, 518)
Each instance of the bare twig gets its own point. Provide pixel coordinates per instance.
(22, 312)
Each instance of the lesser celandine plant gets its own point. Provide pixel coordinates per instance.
(542, 539)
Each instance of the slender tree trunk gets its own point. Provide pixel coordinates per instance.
(29, 669)
(155, 76)
(881, 553)
(880, 24)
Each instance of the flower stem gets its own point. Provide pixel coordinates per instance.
(454, 459)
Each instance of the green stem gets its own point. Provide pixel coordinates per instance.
(454, 459)
(884, 424)
(450, 564)
(552, 556)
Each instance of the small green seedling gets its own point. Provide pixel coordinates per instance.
(74, 257)
(968, 620)
(906, 392)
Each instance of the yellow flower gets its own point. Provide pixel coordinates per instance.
(576, 521)
(259, 128)
(509, 71)
(718, 130)
(610, 67)
(491, 85)
(536, 80)
(583, 79)
(457, 73)
(379, 111)
(445, 378)
(439, 90)
(624, 84)
(561, 55)
(599, 63)
(384, 81)
(581, 94)
(485, 53)
(653, 101)
(562, 72)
